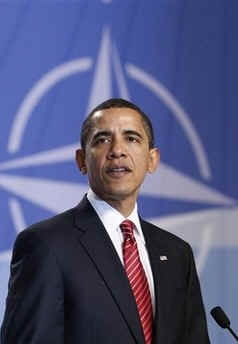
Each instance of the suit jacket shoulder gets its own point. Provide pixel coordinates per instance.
(161, 238)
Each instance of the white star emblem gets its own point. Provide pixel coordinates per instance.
(197, 227)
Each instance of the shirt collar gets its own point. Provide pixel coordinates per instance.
(112, 218)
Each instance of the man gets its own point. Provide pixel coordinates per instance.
(98, 273)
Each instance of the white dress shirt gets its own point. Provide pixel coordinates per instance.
(111, 219)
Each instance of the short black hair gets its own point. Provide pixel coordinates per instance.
(116, 103)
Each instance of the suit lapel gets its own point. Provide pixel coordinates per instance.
(95, 240)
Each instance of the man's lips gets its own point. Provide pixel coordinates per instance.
(118, 171)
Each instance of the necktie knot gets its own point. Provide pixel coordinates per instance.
(127, 227)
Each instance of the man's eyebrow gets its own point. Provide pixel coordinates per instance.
(101, 133)
(108, 133)
(132, 132)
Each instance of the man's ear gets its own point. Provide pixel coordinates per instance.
(80, 159)
(154, 160)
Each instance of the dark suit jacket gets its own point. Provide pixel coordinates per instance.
(68, 286)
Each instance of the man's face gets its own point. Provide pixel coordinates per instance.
(117, 155)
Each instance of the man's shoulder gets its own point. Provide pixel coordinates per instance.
(164, 236)
(52, 229)
(58, 230)
(54, 222)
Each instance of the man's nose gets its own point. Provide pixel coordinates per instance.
(117, 150)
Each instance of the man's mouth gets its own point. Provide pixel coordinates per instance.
(118, 171)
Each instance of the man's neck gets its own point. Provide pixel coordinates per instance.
(124, 206)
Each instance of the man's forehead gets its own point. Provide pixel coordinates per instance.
(116, 117)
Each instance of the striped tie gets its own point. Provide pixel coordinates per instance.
(137, 279)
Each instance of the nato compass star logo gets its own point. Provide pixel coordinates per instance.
(198, 227)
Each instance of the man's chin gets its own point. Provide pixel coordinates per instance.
(117, 194)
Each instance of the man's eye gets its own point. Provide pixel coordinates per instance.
(101, 140)
(132, 139)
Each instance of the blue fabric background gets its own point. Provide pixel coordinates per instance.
(176, 59)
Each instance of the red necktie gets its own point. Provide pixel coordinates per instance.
(137, 279)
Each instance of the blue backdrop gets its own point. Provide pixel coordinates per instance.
(176, 59)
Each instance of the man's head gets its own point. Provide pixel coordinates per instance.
(116, 103)
(117, 150)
